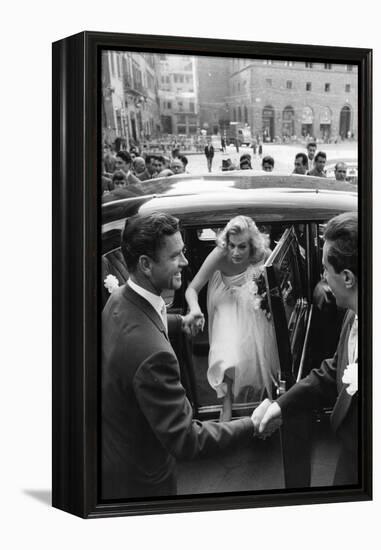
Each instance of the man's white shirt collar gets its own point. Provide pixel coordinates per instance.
(156, 301)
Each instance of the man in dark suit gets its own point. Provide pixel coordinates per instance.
(147, 419)
(335, 382)
(209, 153)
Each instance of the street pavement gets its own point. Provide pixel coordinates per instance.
(283, 155)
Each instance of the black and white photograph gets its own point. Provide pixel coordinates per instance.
(184, 271)
(230, 275)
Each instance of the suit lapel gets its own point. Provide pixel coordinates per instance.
(144, 306)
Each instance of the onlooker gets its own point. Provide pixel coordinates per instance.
(159, 163)
(227, 165)
(268, 164)
(311, 150)
(108, 159)
(209, 153)
(139, 166)
(319, 163)
(245, 162)
(150, 171)
(223, 144)
(123, 162)
(300, 164)
(119, 179)
(341, 171)
(177, 166)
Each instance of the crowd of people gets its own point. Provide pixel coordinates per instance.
(124, 171)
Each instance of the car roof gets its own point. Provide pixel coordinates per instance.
(210, 198)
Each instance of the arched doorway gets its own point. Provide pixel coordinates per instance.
(325, 124)
(268, 117)
(288, 122)
(345, 122)
(307, 128)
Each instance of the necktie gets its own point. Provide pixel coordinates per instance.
(352, 342)
(163, 313)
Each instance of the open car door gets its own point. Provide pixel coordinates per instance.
(286, 281)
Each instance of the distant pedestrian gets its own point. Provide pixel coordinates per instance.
(268, 164)
(260, 150)
(223, 144)
(209, 153)
(311, 150)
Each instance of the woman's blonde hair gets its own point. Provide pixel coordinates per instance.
(258, 242)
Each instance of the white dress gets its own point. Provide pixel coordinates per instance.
(241, 336)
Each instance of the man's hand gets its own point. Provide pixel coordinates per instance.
(266, 418)
(271, 421)
(193, 323)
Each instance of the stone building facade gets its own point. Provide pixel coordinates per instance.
(130, 109)
(286, 99)
(178, 94)
(213, 88)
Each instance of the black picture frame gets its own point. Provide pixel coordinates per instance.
(76, 324)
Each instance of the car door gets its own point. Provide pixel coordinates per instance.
(287, 289)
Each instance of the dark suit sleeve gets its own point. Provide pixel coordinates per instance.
(164, 403)
(318, 389)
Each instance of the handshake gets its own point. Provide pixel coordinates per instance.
(266, 418)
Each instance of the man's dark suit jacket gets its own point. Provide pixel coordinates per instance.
(209, 152)
(324, 387)
(146, 417)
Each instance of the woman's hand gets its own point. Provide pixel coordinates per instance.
(193, 322)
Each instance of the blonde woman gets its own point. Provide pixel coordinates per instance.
(243, 353)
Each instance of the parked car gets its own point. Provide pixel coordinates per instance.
(292, 210)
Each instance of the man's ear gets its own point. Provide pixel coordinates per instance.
(350, 279)
(145, 264)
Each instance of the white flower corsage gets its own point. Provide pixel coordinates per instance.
(111, 283)
(350, 377)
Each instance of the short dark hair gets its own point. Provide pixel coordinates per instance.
(118, 175)
(311, 144)
(268, 160)
(304, 158)
(320, 154)
(342, 234)
(144, 235)
(124, 156)
(160, 158)
(183, 159)
(148, 158)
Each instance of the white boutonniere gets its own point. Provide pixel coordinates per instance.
(111, 283)
(350, 377)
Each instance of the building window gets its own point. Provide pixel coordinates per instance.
(289, 84)
(175, 77)
(169, 105)
(308, 86)
(327, 65)
(239, 86)
(347, 87)
(191, 106)
(180, 105)
(309, 65)
(349, 68)
(327, 87)
(269, 82)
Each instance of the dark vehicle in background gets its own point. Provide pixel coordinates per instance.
(293, 211)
